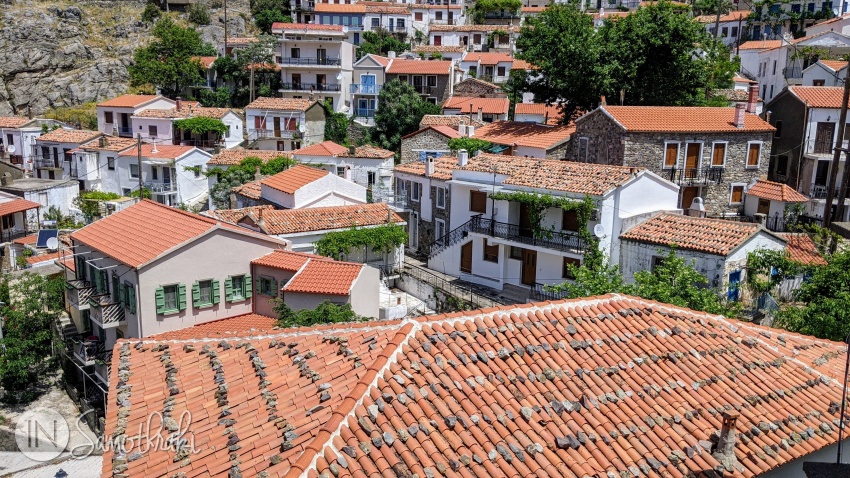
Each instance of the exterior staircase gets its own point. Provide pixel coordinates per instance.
(66, 327)
(451, 238)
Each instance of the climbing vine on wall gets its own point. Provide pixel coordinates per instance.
(382, 238)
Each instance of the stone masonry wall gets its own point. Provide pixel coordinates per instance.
(427, 230)
(429, 140)
(561, 152)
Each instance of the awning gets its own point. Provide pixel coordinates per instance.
(497, 149)
(17, 205)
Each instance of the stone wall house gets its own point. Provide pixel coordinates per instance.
(428, 141)
(423, 187)
(433, 80)
(711, 153)
(476, 87)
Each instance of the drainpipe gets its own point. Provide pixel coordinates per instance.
(139, 304)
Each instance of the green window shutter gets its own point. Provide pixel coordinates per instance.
(196, 294)
(228, 289)
(258, 286)
(160, 300)
(249, 286)
(116, 289)
(216, 295)
(181, 296)
(131, 298)
(274, 287)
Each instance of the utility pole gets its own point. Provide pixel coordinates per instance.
(842, 193)
(717, 20)
(836, 156)
(139, 158)
(225, 27)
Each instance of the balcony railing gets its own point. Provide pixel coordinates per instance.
(122, 131)
(793, 72)
(819, 192)
(105, 312)
(161, 188)
(310, 87)
(425, 90)
(273, 134)
(312, 61)
(561, 241)
(361, 89)
(87, 350)
(48, 163)
(305, 6)
(79, 293)
(364, 112)
(693, 176)
(103, 366)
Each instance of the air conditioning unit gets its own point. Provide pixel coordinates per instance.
(595, 214)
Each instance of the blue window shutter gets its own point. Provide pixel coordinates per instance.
(216, 295)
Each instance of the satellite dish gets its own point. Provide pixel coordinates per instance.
(339, 77)
(301, 128)
(599, 230)
(53, 243)
(11, 148)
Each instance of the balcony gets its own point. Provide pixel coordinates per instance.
(696, 176)
(87, 350)
(305, 6)
(310, 61)
(361, 89)
(102, 367)
(79, 293)
(364, 112)
(161, 188)
(425, 90)
(105, 312)
(124, 131)
(47, 163)
(819, 192)
(273, 134)
(310, 87)
(560, 241)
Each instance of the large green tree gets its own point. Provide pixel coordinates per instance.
(400, 109)
(167, 62)
(380, 42)
(240, 174)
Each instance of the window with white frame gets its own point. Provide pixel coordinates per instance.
(110, 164)
(441, 198)
(736, 194)
(439, 230)
(718, 154)
(134, 171)
(671, 154)
(415, 191)
(753, 154)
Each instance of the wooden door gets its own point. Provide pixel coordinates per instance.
(525, 229)
(692, 156)
(529, 267)
(466, 258)
(276, 127)
(688, 195)
(764, 206)
(824, 137)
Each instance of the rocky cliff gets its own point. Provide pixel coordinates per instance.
(55, 54)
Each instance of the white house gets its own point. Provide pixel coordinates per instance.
(774, 201)
(97, 159)
(473, 37)
(58, 193)
(718, 248)
(486, 109)
(157, 125)
(53, 152)
(493, 241)
(732, 25)
(172, 174)
(284, 124)
(539, 113)
(367, 165)
(493, 67)
(17, 138)
(307, 187)
(369, 79)
(825, 73)
(115, 116)
(14, 212)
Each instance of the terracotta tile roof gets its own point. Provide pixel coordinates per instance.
(241, 41)
(525, 134)
(683, 119)
(533, 9)
(443, 167)
(732, 16)
(426, 6)
(775, 192)
(251, 190)
(232, 216)
(438, 49)
(325, 148)
(286, 260)
(522, 65)
(206, 61)
(449, 120)
(163, 151)
(497, 106)
(419, 67)
(818, 96)
(230, 157)
(62, 135)
(68, 263)
(129, 101)
(13, 121)
(49, 257)
(489, 58)
(291, 221)
(325, 277)
(294, 178)
(143, 231)
(447, 131)
(552, 112)
(732, 94)
(281, 104)
(740, 79)
(185, 112)
(17, 205)
(577, 388)
(368, 151)
(472, 28)
(802, 249)
(834, 65)
(713, 236)
(307, 27)
(246, 325)
(340, 8)
(31, 239)
(388, 9)
(110, 143)
(760, 44)
(380, 59)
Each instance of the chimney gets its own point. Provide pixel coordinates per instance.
(752, 99)
(102, 141)
(429, 166)
(767, 116)
(740, 112)
(461, 129)
(462, 157)
(391, 55)
(470, 131)
(480, 115)
(352, 150)
(602, 101)
(179, 103)
(347, 173)
(261, 222)
(724, 452)
(257, 175)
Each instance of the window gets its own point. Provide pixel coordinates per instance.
(477, 202)
(238, 288)
(438, 16)
(152, 131)
(500, 71)
(375, 22)
(431, 81)
(370, 178)
(154, 173)
(268, 286)
(671, 155)
(439, 230)
(205, 293)
(781, 165)
(415, 191)
(197, 172)
(778, 126)
(417, 16)
(724, 32)
(438, 39)
(340, 171)
(771, 91)
(441, 198)
(774, 65)
(515, 253)
(295, 52)
(134, 171)
(569, 220)
(583, 144)
(491, 252)
(170, 298)
(10, 140)
(734, 32)
(818, 82)
(753, 153)
(402, 78)
(657, 261)
(718, 154)
(399, 23)
(566, 273)
(737, 194)
(129, 297)
(107, 117)
(110, 164)
(847, 132)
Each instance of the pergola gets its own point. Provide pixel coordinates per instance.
(9, 208)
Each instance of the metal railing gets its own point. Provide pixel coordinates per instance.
(451, 238)
(542, 292)
(465, 295)
(305, 6)
(424, 90)
(361, 89)
(561, 241)
(123, 131)
(47, 163)
(86, 351)
(792, 72)
(820, 192)
(693, 176)
(272, 133)
(313, 61)
(157, 187)
(103, 366)
(364, 112)
(106, 312)
(310, 87)
(79, 293)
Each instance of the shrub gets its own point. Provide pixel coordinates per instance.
(151, 13)
(199, 14)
